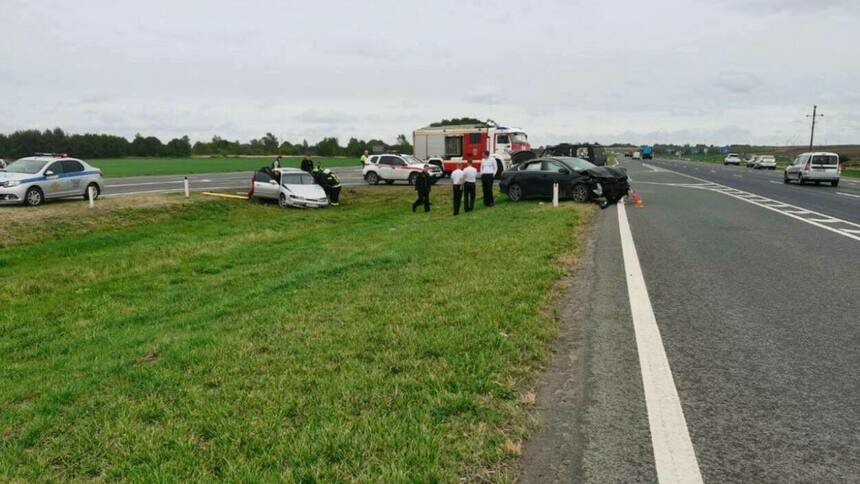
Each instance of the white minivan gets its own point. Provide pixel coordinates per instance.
(814, 167)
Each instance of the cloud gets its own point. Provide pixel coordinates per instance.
(738, 82)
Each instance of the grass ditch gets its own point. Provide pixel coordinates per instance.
(219, 339)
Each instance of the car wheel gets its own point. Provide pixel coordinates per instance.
(800, 178)
(411, 178)
(515, 192)
(372, 178)
(96, 191)
(282, 201)
(834, 183)
(34, 197)
(785, 177)
(579, 193)
(389, 182)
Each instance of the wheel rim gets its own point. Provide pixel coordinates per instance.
(372, 179)
(34, 197)
(580, 194)
(515, 192)
(282, 201)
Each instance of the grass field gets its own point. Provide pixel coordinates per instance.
(222, 339)
(119, 167)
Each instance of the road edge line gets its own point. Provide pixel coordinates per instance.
(674, 456)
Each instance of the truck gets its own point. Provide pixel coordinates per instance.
(647, 152)
(450, 147)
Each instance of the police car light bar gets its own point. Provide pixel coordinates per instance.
(55, 155)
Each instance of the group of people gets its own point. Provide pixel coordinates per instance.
(463, 181)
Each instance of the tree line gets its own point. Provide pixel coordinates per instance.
(27, 142)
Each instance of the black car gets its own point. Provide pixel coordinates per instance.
(578, 179)
(594, 153)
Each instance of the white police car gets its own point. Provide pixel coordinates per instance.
(35, 179)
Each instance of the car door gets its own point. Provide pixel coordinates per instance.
(265, 186)
(55, 184)
(73, 172)
(554, 171)
(529, 178)
(388, 167)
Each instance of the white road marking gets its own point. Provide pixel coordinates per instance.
(674, 455)
(848, 194)
(795, 213)
(778, 183)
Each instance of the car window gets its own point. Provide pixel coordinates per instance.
(389, 160)
(297, 179)
(25, 166)
(580, 164)
(554, 166)
(503, 139)
(72, 166)
(262, 177)
(536, 166)
(825, 160)
(374, 159)
(56, 167)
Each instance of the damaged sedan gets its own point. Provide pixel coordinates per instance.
(578, 180)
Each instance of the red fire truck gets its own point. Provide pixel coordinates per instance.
(451, 146)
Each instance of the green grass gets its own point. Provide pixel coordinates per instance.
(119, 167)
(222, 339)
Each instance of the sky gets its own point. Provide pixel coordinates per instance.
(673, 71)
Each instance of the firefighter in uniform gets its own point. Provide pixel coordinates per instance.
(422, 186)
(331, 186)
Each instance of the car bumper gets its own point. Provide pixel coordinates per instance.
(307, 203)
(12, 196)
(820, 175)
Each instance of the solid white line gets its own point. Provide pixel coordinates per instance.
(848, 194)
(674, 455)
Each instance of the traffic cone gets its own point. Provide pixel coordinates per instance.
(637, 200)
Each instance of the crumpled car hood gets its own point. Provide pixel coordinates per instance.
(607, 172)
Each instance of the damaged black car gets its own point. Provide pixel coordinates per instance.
(578, 180)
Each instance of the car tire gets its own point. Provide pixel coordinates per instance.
(579, 193)
(834, 183)
(785, 177)
(412, 177)
(389, 182)
(96, 193)
(34, 197)
(372, 178)
(282, 201)
(800, 180)
(515, 192)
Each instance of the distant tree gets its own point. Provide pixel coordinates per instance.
(403, 145)
(178, 147)
(355, 147)
(270, 143)
(148, 146)
(456, 121)
(328, 147)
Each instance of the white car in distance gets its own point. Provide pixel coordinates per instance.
(391, 168)
(765, 162)
(732, 159)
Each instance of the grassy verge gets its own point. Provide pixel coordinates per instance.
(781, 162)
(229, 340)
(119, 167)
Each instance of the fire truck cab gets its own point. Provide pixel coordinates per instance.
(450, 147)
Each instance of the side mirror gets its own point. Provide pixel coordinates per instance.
(49, 173)
(273, 182)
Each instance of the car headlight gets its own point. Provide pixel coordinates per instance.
(11, 183)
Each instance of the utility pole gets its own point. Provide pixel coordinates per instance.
(813, 116)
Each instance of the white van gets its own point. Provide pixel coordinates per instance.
(814, 167)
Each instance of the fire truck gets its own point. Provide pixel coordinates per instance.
(450, 147)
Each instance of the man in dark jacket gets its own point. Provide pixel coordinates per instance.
(307, 164)
(422, 186)
(331, 185)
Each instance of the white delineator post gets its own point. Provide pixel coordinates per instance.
(187, 188)
(92, 196)
(555, 194)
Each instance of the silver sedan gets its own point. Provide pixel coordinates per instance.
(35, 179)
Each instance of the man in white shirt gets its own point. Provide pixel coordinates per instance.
(457, 183)
(488, 173)
(470, 176)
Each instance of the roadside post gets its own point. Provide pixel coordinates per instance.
(555, 194)
(187, 188)
(92, 196)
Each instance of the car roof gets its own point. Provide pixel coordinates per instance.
(49, 158)
(820, 153)
(289, 170)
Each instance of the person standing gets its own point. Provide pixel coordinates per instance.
(276, 163)
(470, 176)
(457, 183)
(364, 158)
(307, 164)
(488, 173)
(422, 186)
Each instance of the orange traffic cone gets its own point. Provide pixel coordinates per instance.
(637, 200)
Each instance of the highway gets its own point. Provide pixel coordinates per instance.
(751, 288)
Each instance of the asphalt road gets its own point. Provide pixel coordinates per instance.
(757, 309)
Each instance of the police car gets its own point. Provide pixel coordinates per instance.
(35, 179)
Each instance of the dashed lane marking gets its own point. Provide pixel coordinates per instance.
(848, 194)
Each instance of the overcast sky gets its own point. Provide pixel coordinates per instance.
(714, 71)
